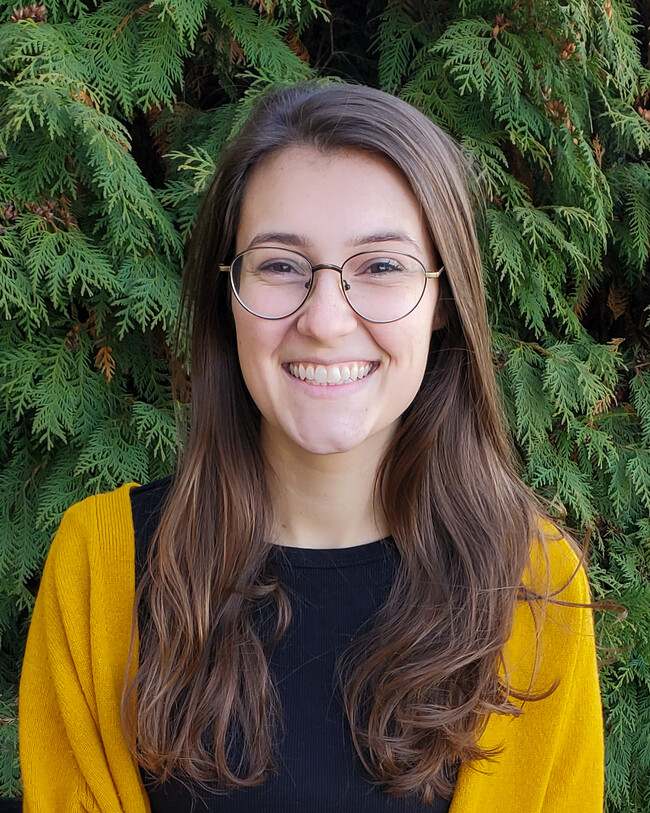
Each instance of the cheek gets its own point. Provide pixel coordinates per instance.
(432, 306)
(248, 343)
(257, 341)
(408, 352)
(252, 371)
(430, 320)
(409, 340)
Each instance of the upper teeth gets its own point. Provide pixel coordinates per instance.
(332, 374)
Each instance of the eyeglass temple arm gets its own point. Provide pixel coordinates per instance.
(225, 268)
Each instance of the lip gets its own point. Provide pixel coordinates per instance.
(329, 363)
(318, 391)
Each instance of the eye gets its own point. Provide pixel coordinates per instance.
(379, 266)
(278, 267)
(281, 267)
(384, 266)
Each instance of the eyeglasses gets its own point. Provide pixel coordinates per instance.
(380, 286)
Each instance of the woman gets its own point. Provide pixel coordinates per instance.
(346, 598)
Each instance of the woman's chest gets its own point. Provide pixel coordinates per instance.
(318, 769)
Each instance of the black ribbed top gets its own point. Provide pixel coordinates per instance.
(334, 594)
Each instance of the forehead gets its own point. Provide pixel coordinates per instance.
(328, 196)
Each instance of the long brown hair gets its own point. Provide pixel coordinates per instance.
(419, 686)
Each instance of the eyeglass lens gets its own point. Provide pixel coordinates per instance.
(380, 286)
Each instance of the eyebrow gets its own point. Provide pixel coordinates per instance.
(301, 241)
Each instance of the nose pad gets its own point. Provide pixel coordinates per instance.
(344, 285)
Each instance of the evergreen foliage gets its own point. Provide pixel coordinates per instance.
(112, 115)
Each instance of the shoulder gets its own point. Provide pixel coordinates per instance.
(552, 626)
(87, 522)
(110, 516)
(94, 537)
(109, 531)
(554, 745)
(75, 663)
(556, 567)
(85, 597)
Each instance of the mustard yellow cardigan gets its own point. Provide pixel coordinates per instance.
(73, 755)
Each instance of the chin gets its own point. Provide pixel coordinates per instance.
(325, 445)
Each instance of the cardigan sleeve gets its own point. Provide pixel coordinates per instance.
(551, 757)
(576, 774)
(72, 752)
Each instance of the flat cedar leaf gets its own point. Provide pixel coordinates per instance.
(112, 455)
(158, 67)
(562, 481)
(640, 397)
(262, 43)
(507, 248)
(132, 214)
(199, 163)
(151, 293)
(113, 50)
(56, 399)
(16, 294)
(187, 17)
(396, 41)
(638, 467)
(534, 417)
(62, 262)
(156, 427)
(598, 445)
(571, 382)
(482, 62)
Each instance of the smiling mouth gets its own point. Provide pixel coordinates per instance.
(332, 374)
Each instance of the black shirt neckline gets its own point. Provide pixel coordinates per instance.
(332, 557)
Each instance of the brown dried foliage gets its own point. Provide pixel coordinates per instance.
(36, 12)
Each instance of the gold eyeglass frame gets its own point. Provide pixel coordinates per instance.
(428, 275)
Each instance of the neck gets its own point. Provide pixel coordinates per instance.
(323, 501)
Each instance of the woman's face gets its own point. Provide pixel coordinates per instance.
(329, 206)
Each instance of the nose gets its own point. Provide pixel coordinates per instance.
(326, 314)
